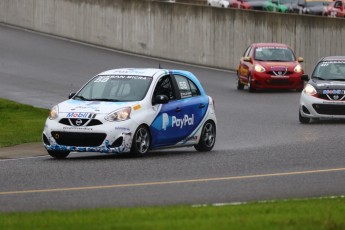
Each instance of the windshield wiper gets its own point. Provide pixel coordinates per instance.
(336, 79)
(82, 98)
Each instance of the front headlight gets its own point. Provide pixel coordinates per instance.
(119, 115)
(310, 90)
(298, 68)
(259, 68)
(54, 113)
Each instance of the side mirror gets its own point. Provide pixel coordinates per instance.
(71, 95)
(300, 59)
(305, 77)
(247, 59)
(160, 99)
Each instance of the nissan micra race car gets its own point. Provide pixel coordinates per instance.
(132, 111)
(324, 95)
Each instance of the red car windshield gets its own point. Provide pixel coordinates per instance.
(282, 54)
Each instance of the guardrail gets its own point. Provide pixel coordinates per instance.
(195, 34)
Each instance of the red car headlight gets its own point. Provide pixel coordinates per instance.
(259, 68)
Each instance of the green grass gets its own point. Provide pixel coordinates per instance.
(20, 123)
(311, 214)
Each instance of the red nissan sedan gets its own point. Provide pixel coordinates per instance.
(270, 66)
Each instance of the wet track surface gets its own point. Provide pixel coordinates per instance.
(262, 151)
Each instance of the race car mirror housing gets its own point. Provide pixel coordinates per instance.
(161, 99)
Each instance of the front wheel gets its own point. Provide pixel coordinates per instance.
(240, 86)
(141, 141)
(207, 138)
(250, 87)
(303, 120)
(58, 154)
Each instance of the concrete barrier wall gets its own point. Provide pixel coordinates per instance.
(196, 34)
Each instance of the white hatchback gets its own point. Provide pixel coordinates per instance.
(132, 111)
(324, 94)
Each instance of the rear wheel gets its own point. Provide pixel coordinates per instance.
(207, 138)
(58, 154)
(141, 141)
(303, 120)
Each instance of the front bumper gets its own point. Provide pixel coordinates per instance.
(313, 107)
(267, 81)
(106, 138)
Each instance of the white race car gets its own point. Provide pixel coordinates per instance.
(324, 94)
(132, 110)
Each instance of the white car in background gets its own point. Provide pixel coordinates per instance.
(132, 111)
(218, 3)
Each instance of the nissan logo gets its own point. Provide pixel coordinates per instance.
(78, 122)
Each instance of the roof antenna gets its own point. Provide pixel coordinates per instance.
(159, 66)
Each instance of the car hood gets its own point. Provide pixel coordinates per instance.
(76, 106)
(320, 85)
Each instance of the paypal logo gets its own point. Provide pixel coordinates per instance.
(177, 122)
(165, 121)
(181, 122)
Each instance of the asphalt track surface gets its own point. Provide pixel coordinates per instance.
(262, 152)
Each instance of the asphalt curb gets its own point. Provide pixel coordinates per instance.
(22, 151)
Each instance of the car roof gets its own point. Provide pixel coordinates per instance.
(269, 44)
(333, 58)
(148, 72)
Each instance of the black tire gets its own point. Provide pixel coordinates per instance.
(303, 120)
(207, 137)
(250, 87)
(240, 86)
(58, 154)
(141, 141)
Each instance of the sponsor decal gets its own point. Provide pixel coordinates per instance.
(333, 91)
(181, 122)
(77, 115)
(165, 121)
(77, 128)
(177, 122)
(137, 107)
(122, 128)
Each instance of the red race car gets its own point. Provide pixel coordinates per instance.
(270, 66)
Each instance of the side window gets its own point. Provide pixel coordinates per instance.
(246, 53)
(164, 87)
(186, 87)
(194, 89)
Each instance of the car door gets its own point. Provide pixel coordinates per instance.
(179, 117)
(245, 65)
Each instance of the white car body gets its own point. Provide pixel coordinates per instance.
(324, 95)
(87, 125)
(218, 3)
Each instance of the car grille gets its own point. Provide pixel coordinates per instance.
(80, 122)
(277, 81)
(79, 139)
(283, 73)
(329, 109)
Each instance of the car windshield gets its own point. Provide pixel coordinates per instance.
(281, 54)
(115, 88)
(330, 71)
